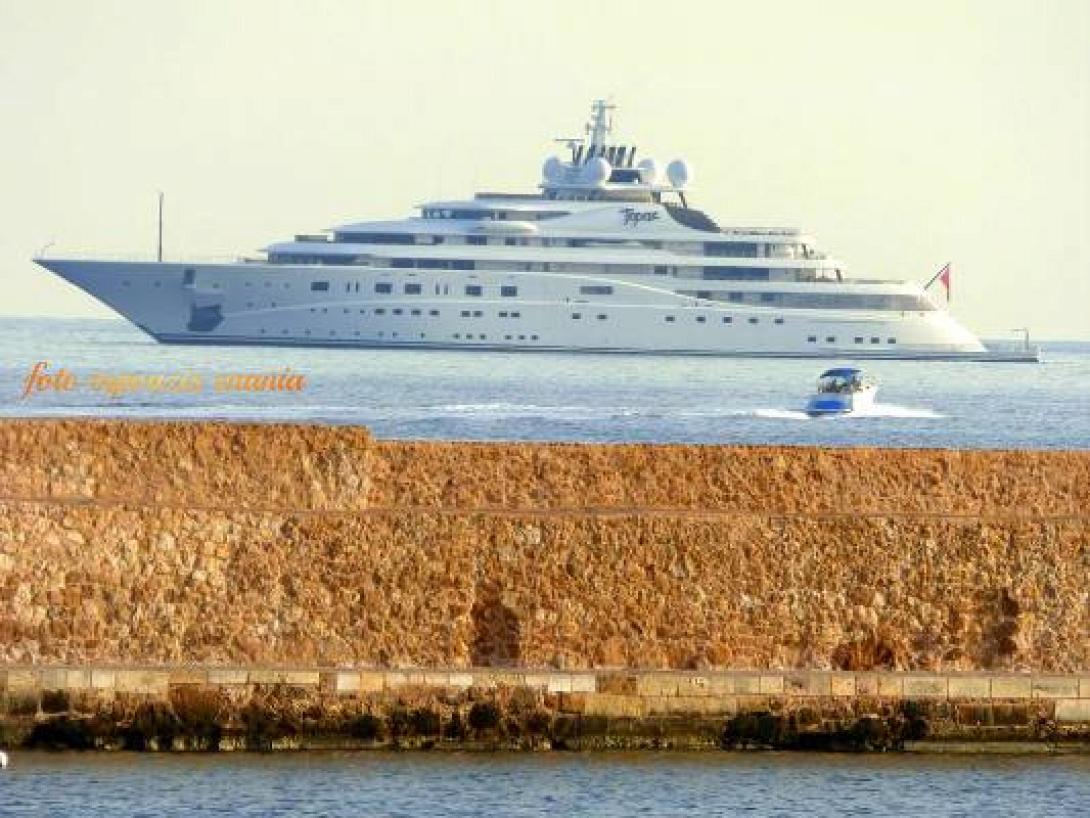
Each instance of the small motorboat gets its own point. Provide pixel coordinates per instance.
(841, 392)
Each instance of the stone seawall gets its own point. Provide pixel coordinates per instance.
(248, 708)
(229, 544)
(227, 586)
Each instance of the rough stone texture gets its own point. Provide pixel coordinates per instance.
(231, 544)
(294, 467)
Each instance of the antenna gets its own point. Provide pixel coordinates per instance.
(159, 254)
(602, 122)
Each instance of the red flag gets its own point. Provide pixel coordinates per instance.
(942, 275)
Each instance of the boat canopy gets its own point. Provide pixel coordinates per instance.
(842, 380)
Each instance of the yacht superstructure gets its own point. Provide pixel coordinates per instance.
(606, 256)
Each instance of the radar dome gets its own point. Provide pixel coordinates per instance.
(596, 171)
(553, 170)
(648, 170)
(679, 173)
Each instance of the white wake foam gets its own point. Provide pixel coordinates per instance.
(877, 410)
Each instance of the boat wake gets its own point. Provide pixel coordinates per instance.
(877, 410)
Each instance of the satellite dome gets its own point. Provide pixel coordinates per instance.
(679, 173)
(553, 171)
(596, 171)
(648, 170)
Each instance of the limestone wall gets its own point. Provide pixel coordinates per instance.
(227, 544)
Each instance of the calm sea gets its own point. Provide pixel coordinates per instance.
(421, 784)
(541, 396)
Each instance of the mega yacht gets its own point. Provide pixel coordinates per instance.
(607, 255)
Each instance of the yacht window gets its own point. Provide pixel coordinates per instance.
(875, 340)
(830, 339)
(397, 311)
(576, 315)
(736, 273)
(700, 319)
(753, 320)
(778, 321)
(503, 315)
(660, 269)
(812, 339)
(733, 249)
(727, 319)
(461, 264)
(516, 315)
(384, 287)
(477, 313)
(319, 285)
(859, 339)
(602, 316)
(433, 312)
(669, 319)
(508, 291)
(891, 340)
(401, 263)
(735, 296)
(474, 289)
(190, 274)
(376, 238)
(412, 289)
(380, 311)
(415, 312)
(768, 298)
(476, 240)
(510, 242)
(465, 313)
(596, 289)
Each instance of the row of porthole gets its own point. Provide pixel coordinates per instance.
(726, 319)
(859, 339)
(670, 319)
(469, 337)
(414, 312)
(457, 336)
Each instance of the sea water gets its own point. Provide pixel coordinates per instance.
(551, 784)
(456, 394)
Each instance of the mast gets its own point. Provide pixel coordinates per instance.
(600, 125)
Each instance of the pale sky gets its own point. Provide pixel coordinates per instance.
(901, 137)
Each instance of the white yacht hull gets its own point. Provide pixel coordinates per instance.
(275, 305)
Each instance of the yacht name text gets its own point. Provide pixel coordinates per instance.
(630, 217)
